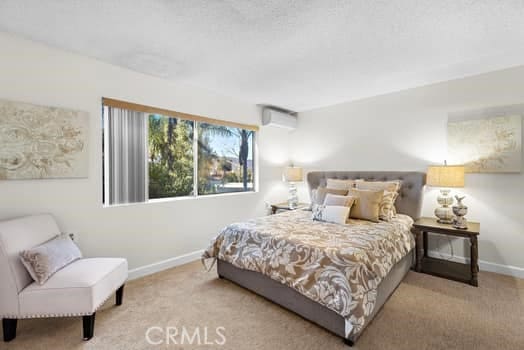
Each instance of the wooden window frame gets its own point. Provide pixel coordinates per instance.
(170, 113)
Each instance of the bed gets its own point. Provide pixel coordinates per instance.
(337, 276)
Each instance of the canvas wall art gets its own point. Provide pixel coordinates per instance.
(38, 142)
(488, 145)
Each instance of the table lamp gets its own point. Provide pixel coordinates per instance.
(445, 176)
(292, 175)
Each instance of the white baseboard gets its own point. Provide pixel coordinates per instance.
(483, 265)
(164, 264)
(190, 257)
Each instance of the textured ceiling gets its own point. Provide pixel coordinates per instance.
(293, 54)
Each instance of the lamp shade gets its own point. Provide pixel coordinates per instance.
(293, 174)
(445, 176)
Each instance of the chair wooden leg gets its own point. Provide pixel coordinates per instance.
(9, 328)
(89, 326)
(120, 295)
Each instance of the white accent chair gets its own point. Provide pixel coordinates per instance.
(78, 289)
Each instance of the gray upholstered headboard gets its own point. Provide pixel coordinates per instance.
(409, 201)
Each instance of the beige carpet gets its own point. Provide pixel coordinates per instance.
(425, 312)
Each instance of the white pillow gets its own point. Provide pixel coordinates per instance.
(331, 213)
(343, 201)
(337, 184)
(319, 195)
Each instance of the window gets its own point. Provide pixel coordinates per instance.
(225, 159)
(170, 157)
(151, 153)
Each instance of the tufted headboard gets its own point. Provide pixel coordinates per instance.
(409, 201)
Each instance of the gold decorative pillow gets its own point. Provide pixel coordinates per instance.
(337, 184)
(391, 186)
(343, 201)
(391, 192)
(367, 204)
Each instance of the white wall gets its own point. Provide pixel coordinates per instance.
(407, 131)
(143, 233)
(400, 131)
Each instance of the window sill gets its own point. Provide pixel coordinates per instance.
(183, 198)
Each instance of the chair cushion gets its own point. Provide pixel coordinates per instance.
(77, 289)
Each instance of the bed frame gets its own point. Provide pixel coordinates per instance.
(409, 202)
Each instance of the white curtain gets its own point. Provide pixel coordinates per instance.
(127, 148)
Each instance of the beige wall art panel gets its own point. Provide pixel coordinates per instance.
(38, 142)
(489, 145)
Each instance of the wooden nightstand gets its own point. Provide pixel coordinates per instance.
(285, 206)
(467, 273)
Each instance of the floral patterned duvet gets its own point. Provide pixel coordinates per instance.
(338, 266)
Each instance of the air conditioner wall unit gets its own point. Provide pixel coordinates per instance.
(272, 117)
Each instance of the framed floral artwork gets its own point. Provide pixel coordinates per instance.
(39, 142)
(487, 145)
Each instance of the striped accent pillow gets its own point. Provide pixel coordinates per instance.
(387, 206)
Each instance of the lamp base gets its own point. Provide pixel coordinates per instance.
(292, 201)
(444, 213)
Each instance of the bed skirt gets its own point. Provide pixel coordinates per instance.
(305, 307)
